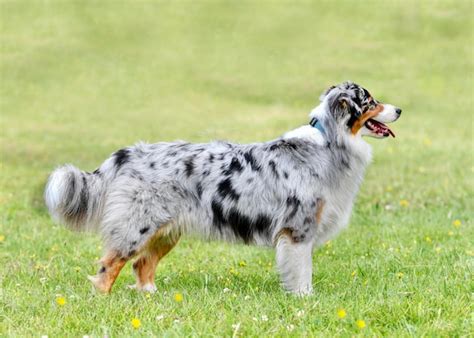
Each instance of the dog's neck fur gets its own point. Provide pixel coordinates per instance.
(334, 134)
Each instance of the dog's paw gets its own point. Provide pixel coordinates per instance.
(98, 284)
(302, 292)
(150, 288)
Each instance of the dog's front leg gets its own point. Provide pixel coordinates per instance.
(294, 263)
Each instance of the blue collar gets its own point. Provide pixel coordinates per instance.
(315, 123)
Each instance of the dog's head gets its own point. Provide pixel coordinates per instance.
(356, 112)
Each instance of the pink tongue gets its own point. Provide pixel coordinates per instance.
(382, 128)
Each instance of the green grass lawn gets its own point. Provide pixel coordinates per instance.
(79, 80)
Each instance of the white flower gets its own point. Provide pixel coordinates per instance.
(264, 318)
(226, 290)
(160, 317)
(300, 313)
(290, 327)
(247, 297)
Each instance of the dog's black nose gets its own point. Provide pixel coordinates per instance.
(398, 111)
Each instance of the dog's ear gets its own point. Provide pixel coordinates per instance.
(341, 105)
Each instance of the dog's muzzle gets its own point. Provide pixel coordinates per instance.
(374, 120)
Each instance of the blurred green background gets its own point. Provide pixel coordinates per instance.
(80, 79)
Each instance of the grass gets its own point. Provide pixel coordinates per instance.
(82, 79)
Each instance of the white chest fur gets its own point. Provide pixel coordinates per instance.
(338, 199)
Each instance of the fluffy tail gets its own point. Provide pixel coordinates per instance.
(75, 198)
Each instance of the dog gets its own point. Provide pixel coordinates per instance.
(292, 193)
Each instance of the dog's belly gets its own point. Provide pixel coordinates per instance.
(197, 223)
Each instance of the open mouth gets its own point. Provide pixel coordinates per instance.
(378, 128)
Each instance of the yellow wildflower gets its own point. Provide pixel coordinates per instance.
(2, 238)
(242, 263)
(400, 274)
(450, 233)
(354, 273)
(457, 223)
(61, 301)
(136, 323)
(428, 239)
(404, 203)
(427, 142)
(360, 324)
(341, 313)
(178, 297)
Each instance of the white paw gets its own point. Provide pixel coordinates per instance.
(303, 292)
(98, 284)
(151, 288)
(93, 279)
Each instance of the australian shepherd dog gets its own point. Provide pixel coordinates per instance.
(292, 193)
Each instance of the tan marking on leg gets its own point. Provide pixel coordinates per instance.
(319, 210)
(111, 264)
(283, 232)
(155, 250)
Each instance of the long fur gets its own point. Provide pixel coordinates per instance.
(219, 190)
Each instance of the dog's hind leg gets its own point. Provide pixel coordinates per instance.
(111, 265)
(294, 262)
(145, 266)
(135, 215)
